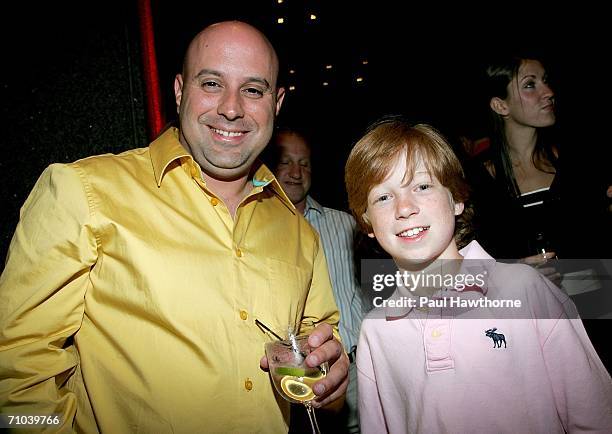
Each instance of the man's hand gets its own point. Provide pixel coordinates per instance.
(328, 349)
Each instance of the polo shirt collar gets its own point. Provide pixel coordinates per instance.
(476, 261)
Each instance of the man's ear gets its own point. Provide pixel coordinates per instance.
(365, 218)
(499, 106)
(178, 91)
(280, 96)
(459, 207)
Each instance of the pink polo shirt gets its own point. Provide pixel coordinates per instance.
(428, 372)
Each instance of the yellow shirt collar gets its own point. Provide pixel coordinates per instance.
(167, 148)
(164, 150)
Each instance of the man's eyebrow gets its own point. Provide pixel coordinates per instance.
(205, 71)
(259, 80)
(208, 72)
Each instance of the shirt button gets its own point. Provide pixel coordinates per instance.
(239, 253)
(248, 384)
(436, 333)
(214, 201)
(243, 315)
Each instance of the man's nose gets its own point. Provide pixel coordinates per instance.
(230, 105)
(295, 171)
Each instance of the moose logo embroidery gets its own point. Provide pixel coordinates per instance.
(498, 338)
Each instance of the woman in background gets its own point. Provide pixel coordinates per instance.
(515, 182)
(531, 204)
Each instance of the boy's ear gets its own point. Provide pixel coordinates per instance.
(459, 208)
(365, 218)
(499, 106)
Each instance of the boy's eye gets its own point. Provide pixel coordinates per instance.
(423, 187)
(382, 198)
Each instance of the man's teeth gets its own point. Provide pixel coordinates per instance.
(227, 133)
(413, 231)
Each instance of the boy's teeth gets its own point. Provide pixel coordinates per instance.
(227, 133)
(412, 232)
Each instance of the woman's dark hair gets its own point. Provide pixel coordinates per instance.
(499, 74)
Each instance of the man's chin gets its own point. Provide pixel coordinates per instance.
(296, 199)
(294, 194)
(226, 174)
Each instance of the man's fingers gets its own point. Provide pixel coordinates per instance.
(321, 333)
(330, 351)
(336, 381)
(263, 363)
(341, 390)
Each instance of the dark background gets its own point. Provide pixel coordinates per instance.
(71, 81)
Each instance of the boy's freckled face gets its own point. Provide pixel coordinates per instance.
(413, 219)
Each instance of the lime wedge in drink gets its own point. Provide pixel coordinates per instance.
(290, 370)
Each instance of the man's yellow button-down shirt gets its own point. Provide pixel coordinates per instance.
(129, 297)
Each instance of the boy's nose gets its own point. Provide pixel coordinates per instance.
(405, 208)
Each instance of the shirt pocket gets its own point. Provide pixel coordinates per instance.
(282, 306)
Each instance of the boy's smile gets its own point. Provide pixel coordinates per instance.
(414, 234)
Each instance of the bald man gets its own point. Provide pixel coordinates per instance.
(133, 282)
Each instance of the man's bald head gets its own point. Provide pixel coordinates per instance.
(237, 32)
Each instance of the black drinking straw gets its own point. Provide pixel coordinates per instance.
(265, 327)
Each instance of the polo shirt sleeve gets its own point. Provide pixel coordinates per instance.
(42, 292)
(582, 387)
